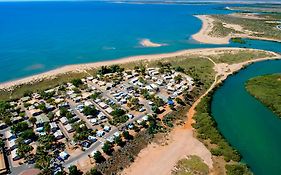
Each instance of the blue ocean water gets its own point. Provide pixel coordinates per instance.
(40, 36)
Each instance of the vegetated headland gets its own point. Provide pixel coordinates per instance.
(267, 89)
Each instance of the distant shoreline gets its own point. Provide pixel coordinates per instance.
(203, 36)
(9, 85)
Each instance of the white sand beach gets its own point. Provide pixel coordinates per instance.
(203, 36)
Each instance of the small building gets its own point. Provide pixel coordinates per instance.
(41, 120)
(101, 116)
(54, 126)
(64, 155)
(103, 105)
(12, 144)
(92, 138)
(69, 128)
(109, 110)
(15, 155)
(25, 99)
(100, 133)
(106, 128)
(64, 120)
(58, 135)
(94, 121)
(9, 136)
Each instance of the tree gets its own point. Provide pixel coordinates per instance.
(51, 116)
(127, 135)
(88, 110)
(32, 120)
(99, 157)
(73, 170)
(77, 82)
(107, 148)
(42, 107)
(47, 128)
(179, 101)
(178, 78)
(24, 150)
(118, 140)
(28, 134)
(19, 127)
(179, 69)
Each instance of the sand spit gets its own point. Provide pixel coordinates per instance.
(148, 43)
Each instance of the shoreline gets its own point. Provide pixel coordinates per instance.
(76, 68)
(203, 35)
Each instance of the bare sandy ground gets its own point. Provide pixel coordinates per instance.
(83, 67)
(148, 43)
(160, 160)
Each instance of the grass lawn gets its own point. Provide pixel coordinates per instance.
(267, 90)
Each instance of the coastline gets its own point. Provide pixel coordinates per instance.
(88, 66)
(203, 36)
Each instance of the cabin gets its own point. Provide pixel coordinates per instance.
(41, 120)
(64, 120)
(103, 105)
(54, 126)
(9, 136)
(58, 135)
(64, 155)
(15, 155)
(69, 128)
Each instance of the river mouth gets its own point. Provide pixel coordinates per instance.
(247, 124)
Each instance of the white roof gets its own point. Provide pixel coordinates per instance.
(64, 120)
(102, 104)
(58, 133)
(109, 110)
(68, 127)
(14, 153)
(53, 125)
(63, 155)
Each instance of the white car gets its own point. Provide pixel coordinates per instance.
(142, 109)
